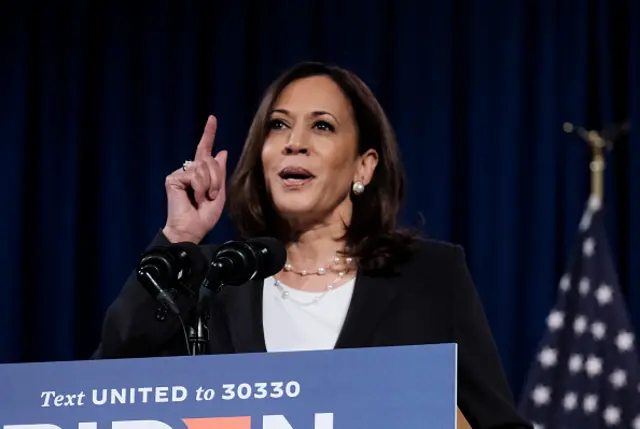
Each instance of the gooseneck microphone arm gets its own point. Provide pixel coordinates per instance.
(199, 332)
(213, 282)
(147, 279)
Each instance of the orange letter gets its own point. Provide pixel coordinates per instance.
(242, 422)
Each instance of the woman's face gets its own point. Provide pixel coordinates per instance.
(309, 157)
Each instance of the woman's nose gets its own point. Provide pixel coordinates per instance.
(296, 144)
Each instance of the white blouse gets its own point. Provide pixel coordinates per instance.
(293, 324)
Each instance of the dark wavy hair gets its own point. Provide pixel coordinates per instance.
(373, 238)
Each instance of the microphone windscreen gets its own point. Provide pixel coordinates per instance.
(272, 253)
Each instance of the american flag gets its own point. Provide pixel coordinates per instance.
(586, 373)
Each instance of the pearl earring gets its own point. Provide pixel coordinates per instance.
(358, 187)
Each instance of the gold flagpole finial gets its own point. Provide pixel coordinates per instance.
(598, 142)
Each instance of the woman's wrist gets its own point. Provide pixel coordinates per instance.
(179, 237)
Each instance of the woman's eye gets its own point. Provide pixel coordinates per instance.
(276, 124)
(324, 126)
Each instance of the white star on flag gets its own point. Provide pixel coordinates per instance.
(624, 341)
(555, 320)
(541, 395)
(593, 205)
(584, 286)
(604, 294)
(588, 247)
(618, 378)
(548, 357)
(575, 363)
(585, 222)
(593, 366)
(580, 325)
(612, 415)
(598, 330)
(590, 404)
(570, 401)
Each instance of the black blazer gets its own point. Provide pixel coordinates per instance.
(430, 299)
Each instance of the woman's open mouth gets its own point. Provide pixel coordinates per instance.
(295, 177)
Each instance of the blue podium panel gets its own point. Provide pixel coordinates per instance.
(387, 388)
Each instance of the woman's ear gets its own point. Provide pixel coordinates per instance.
(367, 163)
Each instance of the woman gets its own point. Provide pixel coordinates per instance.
(321, 171)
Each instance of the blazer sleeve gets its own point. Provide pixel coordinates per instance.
(136, 325)
(484, 395)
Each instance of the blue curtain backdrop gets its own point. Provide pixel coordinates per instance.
(101, 100)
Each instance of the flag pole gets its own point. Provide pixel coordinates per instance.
(598, 164)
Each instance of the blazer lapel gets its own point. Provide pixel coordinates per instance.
(258, 342)
(371, 297)
(245, 314)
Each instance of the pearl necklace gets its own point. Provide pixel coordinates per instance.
(285, 294)
(321, 271)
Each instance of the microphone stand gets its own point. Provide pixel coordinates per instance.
(199, 332)
(199, 335)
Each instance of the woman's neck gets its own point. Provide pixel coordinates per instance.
(316, 247)
(311, 258)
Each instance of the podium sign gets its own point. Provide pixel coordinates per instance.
(391, 387)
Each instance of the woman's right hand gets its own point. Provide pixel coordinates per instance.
(196, 195)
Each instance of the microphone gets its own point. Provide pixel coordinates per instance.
(239, 262)
(271, 255)
(176, 265)
(236, 263)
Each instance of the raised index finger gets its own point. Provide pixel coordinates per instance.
(206, 141)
